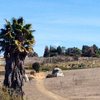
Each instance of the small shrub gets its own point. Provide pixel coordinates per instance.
(74, 66)
(36, 66)
(45, 69)
(81, 65)
(4, 95)
(64, 68)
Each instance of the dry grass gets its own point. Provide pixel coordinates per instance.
(63, 62)
(83, 83)
(4, 95)
(76, 84)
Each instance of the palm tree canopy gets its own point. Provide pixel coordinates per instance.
(16, 36)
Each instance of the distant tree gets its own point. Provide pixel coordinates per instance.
(96, 50)
(32, 54)
(95, 47)
(63, 50)
(53, 51)
(85, 51)
(92, 51)
(73, 51)
(16, 41)
(35, 54)
(98, 53)
(59, 50)
(46, 52)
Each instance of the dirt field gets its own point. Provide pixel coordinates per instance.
(82, 84)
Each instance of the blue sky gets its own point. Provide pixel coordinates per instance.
(67, 23)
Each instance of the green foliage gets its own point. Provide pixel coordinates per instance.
(36, 66)
(73, 52)
(86, 51)
(32, 54)
(16, 41)
(81, 65)
(59, 50)
(16, 36)
(45, 69)
(54, 51)
(92, 51)
(46, 52)
(97, 53)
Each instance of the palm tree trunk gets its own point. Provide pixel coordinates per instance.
(14, 73)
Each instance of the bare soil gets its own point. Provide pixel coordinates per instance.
(82, 84)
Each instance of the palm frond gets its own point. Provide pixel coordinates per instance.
(20, 20)
(28, 26)
(17, 35)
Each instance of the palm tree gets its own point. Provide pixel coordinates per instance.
(16, 41)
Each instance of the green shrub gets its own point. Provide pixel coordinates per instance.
(36, 66)
(81, 65)
(77, 66)
(45, 69)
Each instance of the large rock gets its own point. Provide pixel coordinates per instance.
(57, 72)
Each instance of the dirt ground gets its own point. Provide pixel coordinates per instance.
(82, 84)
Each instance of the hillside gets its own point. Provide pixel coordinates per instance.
(63, 62)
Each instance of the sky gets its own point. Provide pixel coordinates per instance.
(69, 23)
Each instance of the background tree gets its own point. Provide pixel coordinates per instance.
(33, 54)
(46, 52)
(85, 51)
(16, 41)
(63, 50)
(96, 51)
(53, 51)
(59, 50)
(73, 51)
(92, 51)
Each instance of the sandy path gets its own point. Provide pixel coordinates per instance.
(35, 89)
(40, 86)
(38, 91)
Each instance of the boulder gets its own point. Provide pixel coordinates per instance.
(57, 72)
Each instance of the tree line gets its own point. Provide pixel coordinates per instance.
(86, 51)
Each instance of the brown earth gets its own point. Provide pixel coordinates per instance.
(37, 90)
(82, 84)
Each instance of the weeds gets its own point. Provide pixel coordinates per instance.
(4, 95)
